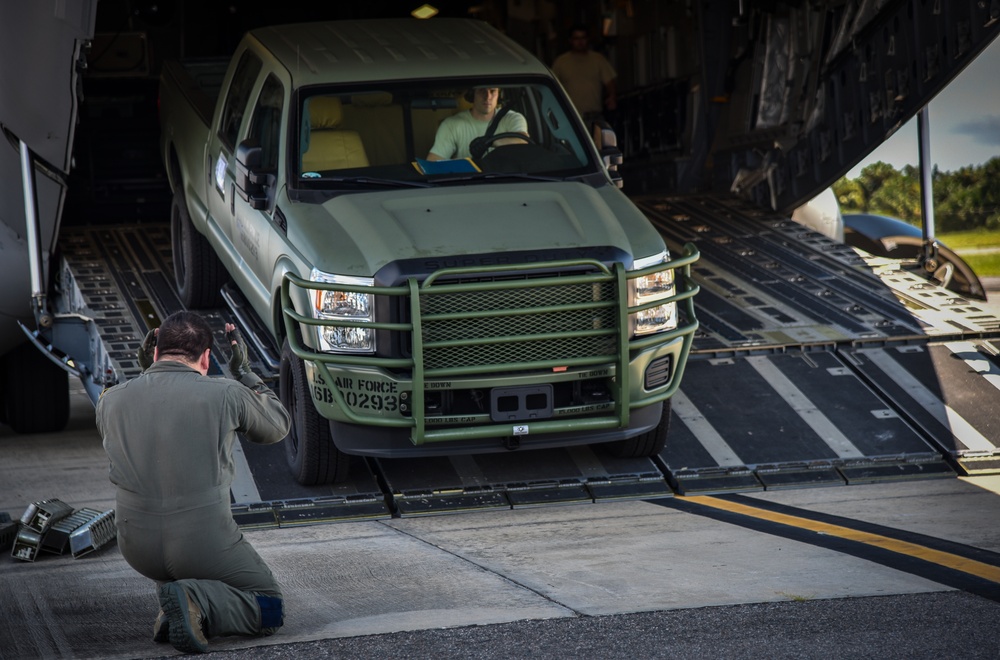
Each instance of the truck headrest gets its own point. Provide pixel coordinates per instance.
(325, 112)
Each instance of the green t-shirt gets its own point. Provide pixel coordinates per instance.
(456, 132)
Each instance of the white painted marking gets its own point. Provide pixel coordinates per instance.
(587, 462)
(801, 404)
(244, 488)
(979, 362)
(961, 430)
(703, 430)
(468, 470)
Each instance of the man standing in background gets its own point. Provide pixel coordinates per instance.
(588, 77)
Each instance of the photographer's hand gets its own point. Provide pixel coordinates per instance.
(147, 349)
(239, 361)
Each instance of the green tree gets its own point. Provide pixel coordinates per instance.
(873, 177)
(956, 200)
(966, 199)
(898, 196)
(850, 195)
(989, 185)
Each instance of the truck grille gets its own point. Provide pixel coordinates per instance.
(518, 325)
(450, 334)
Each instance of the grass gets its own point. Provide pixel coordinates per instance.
(797, 598)
(985, 264)
(960, 240)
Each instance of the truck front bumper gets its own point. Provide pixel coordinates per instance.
(387, 442)
(551, 399)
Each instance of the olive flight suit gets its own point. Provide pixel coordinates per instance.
(169, 434)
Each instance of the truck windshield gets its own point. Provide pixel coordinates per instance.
(439, 132)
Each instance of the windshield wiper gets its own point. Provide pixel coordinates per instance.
(369, 181)
(485, 176)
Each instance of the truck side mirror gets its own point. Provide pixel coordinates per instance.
(250, 180)
(607, 146)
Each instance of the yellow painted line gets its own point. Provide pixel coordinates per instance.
(946, 559)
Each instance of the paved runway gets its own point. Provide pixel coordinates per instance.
(889, 570)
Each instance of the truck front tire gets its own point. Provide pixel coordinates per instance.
(198, 273)
(312, 457)
(648, 444)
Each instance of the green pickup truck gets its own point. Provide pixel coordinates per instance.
(512, 299)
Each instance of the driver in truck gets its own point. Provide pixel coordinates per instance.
(456, 133)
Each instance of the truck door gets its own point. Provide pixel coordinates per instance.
(221, 165)
(253, 228)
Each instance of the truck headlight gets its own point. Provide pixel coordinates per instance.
(343, 305)
(649, 288)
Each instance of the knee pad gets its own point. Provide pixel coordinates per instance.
(272, 611)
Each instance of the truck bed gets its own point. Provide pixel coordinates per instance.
(199, 81)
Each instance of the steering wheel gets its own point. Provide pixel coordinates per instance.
(479, 145)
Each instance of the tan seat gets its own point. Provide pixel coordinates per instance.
(331, 148)
(379, 121)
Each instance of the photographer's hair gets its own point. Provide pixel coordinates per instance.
(183, 335)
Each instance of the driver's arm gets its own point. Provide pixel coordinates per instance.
(512, 122)
(510, 140)
(444, 142)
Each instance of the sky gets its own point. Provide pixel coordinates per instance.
(964, 122)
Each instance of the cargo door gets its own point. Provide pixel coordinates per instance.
(42, 51)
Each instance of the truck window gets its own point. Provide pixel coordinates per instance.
(387, 130)
(265, 123)
(244, 77)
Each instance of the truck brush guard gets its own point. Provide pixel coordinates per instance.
(498, 326)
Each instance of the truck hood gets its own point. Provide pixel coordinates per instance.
(358, 234)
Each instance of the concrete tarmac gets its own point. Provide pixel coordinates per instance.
(622, 579)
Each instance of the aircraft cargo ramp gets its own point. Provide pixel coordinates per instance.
(813, 367)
